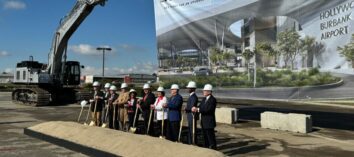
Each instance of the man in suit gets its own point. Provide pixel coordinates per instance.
(192, 102)
(106, 97)
(145, 104)
(207, 109)
(113, 96)
(174, 106)
(97, 103)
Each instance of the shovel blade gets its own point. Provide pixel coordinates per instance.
(132, 129)
(92, 123)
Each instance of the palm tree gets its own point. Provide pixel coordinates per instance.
(319, 48)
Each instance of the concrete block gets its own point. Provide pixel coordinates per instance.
(226, 115)
(300, 123)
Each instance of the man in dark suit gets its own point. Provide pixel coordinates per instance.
(145, 104)
(111, 109)
(174, 106)
(207, 109)
(97, 103)
(192, 102)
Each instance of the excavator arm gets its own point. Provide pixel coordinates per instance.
(67, 27)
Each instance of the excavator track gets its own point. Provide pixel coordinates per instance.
(82, 94)
(32, 96)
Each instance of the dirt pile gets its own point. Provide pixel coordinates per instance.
(119, 143)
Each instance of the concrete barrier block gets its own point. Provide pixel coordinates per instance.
(226, 115)
(266, 120)
(300, 123)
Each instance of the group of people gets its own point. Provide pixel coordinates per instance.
(121, 111)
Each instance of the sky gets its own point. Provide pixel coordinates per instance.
(127, 26)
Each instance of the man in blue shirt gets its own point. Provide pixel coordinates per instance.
(174, 106)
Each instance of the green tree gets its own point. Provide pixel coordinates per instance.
(347, 51)
(308, 47)
(267, 49)
(319, 48)
(288, 43)
(248, 54)
(215, 57)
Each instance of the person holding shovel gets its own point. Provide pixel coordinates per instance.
(132, 106)
(97, 103)
(122, 104)
(174, 106)
(191, 116)
(112, 111)
(106, 97)
(145, 103)
(207, 109)
(161, 112)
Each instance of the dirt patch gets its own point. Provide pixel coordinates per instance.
(120, 143)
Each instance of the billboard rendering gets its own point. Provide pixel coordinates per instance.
(238, 36)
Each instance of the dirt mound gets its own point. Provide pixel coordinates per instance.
(119, 143)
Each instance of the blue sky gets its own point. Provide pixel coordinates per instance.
(128, 26)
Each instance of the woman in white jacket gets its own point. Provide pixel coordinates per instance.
(161, 112)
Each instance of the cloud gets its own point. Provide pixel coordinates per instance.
(86, 49)
(14, 5)
(9, 70)
(4, 53)
(131, 48)
(140, 68)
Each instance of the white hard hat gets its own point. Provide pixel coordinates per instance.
(160, 89)
(83, 103)
(132, 90)
(113, 87)
(107, 85)
(124, 85)
(96, 84)
(174, 86)
(146, 86)
(191, 84)
(208, 87)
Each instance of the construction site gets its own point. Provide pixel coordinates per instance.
(226, 78)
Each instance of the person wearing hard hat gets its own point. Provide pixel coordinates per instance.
(145, 104)
(192, 102)
(161, 112)
(106, 97)
(174, 106)
(112, 118)
(207, 109)
(132, 104)
(97, 103)
(122, 104)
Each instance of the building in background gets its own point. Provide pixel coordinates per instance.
(6, 78)
(186, 30)
(127, 78)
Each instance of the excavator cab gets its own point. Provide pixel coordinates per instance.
(71, 73)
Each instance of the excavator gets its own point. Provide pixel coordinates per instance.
(39, 84)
